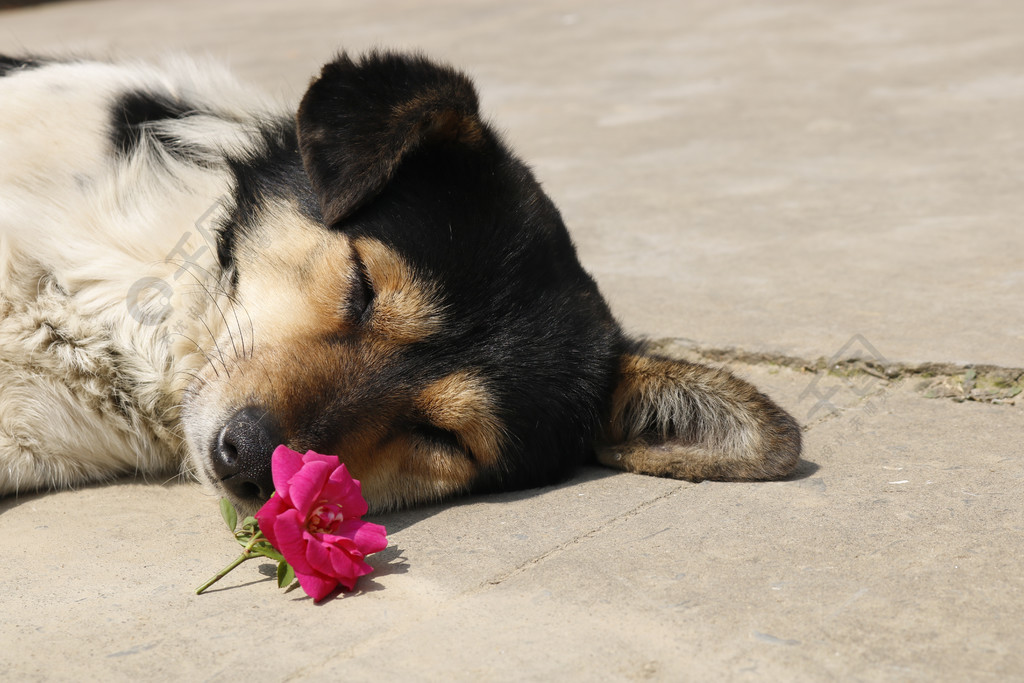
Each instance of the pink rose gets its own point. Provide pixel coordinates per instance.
(314, 520)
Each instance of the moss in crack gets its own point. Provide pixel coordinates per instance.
(982, 383)
(989, 385)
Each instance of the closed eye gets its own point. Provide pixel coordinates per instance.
(361, 294)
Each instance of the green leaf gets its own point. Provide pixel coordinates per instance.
(227, 511)
(250, 521)
(285, 574)
(267, 550)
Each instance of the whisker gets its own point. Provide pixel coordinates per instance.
(193, 374)
(216, 345)
(206, 290)
(230, 296)
(252, 332)
(177, 406)
(201, 350)
(171, 478)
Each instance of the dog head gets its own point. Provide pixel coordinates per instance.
(411, 301)
(410, 298)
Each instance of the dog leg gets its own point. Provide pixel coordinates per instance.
(676, 419)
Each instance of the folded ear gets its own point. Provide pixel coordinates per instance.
(672, 418)
(358, 119)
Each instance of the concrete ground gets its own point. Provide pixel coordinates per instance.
(826, 197)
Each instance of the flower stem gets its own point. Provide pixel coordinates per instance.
(247, 554)
(224, 572)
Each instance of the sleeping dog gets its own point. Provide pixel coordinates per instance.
(191, 275)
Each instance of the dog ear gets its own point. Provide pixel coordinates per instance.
(672, 418)
(359, 119)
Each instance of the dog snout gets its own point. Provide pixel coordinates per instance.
(241, 453)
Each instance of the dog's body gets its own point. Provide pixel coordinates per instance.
(189, 273)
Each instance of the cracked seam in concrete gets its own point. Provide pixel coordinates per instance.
(969, 382)
(579, 538)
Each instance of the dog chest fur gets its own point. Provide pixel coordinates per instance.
(100, 264)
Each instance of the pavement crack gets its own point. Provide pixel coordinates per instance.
(576, 540)
(978, 382)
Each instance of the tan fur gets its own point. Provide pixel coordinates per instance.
(406, 306)
(396, 467)
(286, 358)
(461, 403)
(446, 124)
(677, 419)
(405, 471)
(294, 276)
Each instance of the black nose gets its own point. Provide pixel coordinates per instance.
(241, 454)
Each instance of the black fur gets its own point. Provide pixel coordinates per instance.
(271, 171)
(9, 65)
(359, 120)
(476, 221)
(133, 115)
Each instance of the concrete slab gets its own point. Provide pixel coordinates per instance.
(106, 576)
(784, 177)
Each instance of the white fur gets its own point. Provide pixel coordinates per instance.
(86, 389)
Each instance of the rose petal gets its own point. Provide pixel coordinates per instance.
(268, 514)
(316, 586)
(304, 488)
(342, 564)
(343, 489)
(284, 463)
(346, 569)
(345, 544)
(368, 537)
(313, 456)
(316, 555)
(289, 531)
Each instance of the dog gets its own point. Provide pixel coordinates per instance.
(191, 274)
